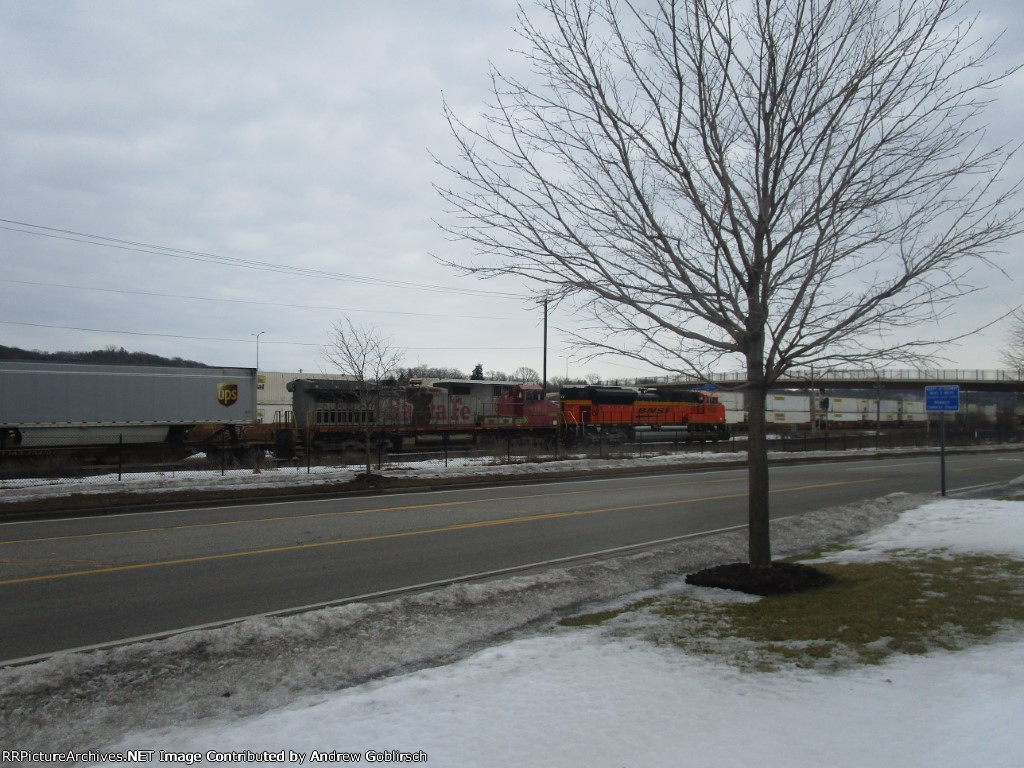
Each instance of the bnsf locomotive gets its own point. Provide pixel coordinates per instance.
(628, 412)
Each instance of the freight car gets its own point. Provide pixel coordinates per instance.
(788, 411)
(99, 411)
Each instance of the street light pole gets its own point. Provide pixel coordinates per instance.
(257, 335)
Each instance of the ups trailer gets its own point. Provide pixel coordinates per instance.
(62, 406)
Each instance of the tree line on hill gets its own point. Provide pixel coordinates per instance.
(109, 356)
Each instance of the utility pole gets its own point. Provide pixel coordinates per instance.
(813, 401)
(878, 408)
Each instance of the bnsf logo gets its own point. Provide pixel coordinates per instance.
(651, 411)
(227, 393)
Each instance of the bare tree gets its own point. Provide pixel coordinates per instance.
(371, 360)
(774, 183)
(526, 375)
(1013, 353)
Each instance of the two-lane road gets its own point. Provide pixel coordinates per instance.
(67, 583)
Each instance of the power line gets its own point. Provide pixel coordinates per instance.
(234, 341)
(141, 333)
(180, 253)
(244, 301)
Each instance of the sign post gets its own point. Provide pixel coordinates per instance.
(942, 398)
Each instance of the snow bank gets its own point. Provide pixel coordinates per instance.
(574, 699)
(951, 525)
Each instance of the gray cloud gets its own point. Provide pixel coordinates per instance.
(290, 133)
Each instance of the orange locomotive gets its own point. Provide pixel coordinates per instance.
(623, 413)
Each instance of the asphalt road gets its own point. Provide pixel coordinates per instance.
(75, 582)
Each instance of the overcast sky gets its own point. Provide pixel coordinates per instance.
(163, 151)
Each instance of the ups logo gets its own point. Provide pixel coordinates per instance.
(227, 393)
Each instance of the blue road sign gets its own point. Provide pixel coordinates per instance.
(942, 398)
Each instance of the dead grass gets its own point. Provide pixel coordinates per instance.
(909, 605)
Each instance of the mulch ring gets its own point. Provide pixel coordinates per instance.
(777, 579)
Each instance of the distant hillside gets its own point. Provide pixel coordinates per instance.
(108, 356)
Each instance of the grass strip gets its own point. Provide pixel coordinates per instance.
(908, 605)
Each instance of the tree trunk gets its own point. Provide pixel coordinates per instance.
(759, 539)
(759, 544)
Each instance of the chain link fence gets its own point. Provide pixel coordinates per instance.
(119, 463)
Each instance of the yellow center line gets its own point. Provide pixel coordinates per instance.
(308, 516)
(406, 534)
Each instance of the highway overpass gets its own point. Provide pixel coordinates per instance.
(969, 379)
